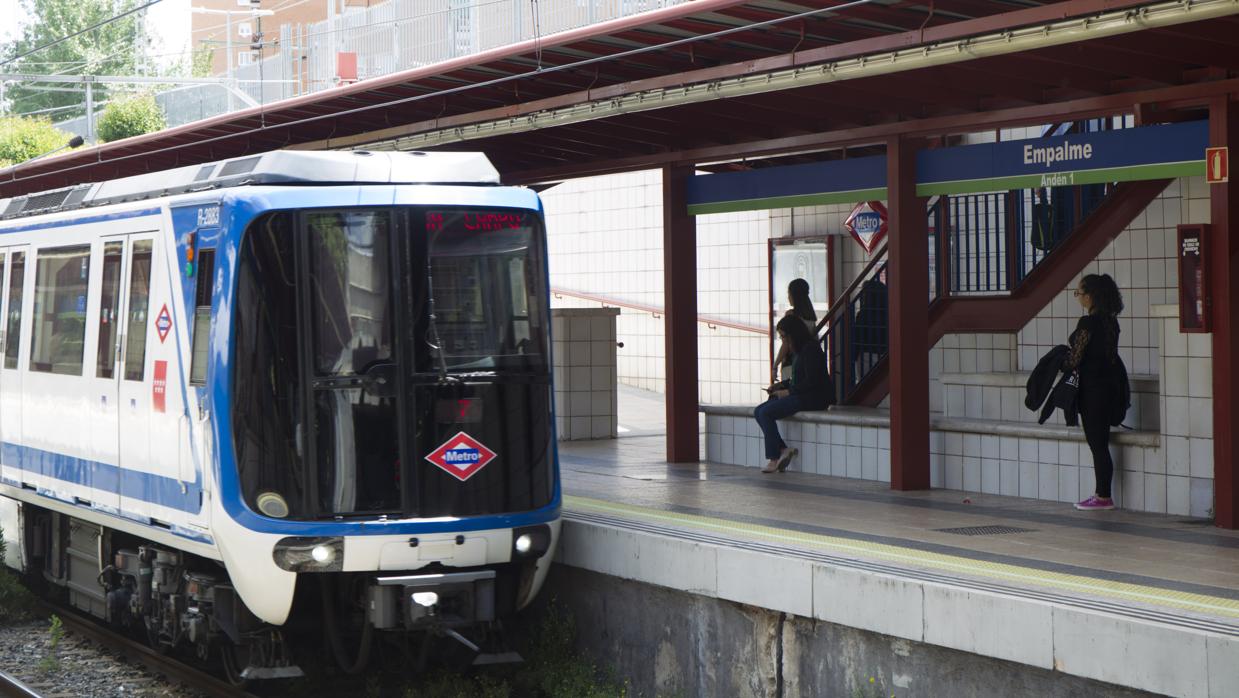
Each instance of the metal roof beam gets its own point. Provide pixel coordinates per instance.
(953, 54)
(1091, 107)
(800, 68)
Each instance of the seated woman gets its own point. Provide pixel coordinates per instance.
(809, 389)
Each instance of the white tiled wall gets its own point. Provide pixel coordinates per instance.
(583, 346)
(1183, 482)
(605, 237)
(1142, 262)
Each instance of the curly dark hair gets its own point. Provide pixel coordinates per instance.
(1104, 293)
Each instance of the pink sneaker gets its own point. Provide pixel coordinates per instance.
(1095, 503)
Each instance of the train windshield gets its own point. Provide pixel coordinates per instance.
(368, 339)
(483, 287)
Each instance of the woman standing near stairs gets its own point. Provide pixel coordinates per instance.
(1094, 354)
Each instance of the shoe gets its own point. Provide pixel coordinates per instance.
(786, 459)
(1095, 503)
(771, 467)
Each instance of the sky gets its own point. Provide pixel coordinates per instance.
(168, 23)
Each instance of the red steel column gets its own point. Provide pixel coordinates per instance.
(908, 279)
(1224, 131)
(680, 316)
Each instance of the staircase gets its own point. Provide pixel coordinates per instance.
(986, 275)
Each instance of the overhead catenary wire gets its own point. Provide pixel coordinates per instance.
(464, 88)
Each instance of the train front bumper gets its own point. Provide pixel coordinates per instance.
(451, 600)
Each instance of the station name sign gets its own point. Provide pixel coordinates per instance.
(1147, 152)
(1051, 154)
(1121, 155)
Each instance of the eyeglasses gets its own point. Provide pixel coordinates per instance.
(1077, 293)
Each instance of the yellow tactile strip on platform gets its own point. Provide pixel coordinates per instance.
(861, 549)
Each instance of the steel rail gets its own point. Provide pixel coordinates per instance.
(131, 649)
(12, 686)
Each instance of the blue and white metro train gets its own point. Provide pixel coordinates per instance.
(321, 376)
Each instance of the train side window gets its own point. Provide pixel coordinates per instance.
(13, 329)
(60, 280)
(202, 317)
(109, 307)
(139, 300)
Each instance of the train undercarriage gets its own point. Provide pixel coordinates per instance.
(179, 602)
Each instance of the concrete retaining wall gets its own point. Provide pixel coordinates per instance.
(674, 643)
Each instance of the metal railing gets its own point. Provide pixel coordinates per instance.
(401, 34)
(657, 311)
(978, 245)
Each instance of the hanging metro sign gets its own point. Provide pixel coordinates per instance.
(867, 223)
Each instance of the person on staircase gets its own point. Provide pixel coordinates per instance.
(869, 328)
(1095, 355)
(808, 389)
(801, 307)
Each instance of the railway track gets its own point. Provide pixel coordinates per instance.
(13, 687)
(134, 651)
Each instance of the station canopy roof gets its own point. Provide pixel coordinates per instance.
(731, 84)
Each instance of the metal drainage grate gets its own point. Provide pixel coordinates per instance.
(984, 530)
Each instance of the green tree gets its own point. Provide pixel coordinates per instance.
(201, 62)
(130, 116)
(113, 49)
(24, 138)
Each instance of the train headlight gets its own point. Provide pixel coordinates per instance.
(524, 543)
(323, 554)
(531, 541)
(305, 554)
(272, 504)
(425, 598)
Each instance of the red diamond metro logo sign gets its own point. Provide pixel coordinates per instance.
(461, 456)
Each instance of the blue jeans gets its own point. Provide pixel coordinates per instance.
(773, 409)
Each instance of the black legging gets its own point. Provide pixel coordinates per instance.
(1095, 414)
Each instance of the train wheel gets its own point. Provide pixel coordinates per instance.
(333, 603)
(233, 660)
(152, 636)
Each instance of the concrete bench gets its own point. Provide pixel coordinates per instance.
(1023, 459)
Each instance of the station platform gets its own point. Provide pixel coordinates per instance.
(1142, 601)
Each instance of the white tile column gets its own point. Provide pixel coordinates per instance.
(583, 345)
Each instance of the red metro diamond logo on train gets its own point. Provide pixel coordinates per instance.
(461, 456)
(163, 323)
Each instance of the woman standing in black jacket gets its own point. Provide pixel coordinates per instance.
(808, 389)
(1094, 354)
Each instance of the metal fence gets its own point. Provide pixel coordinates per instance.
(402, 34)
(387, 38)
(180, 105)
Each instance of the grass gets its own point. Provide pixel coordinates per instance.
(50, 662)
(16, 601)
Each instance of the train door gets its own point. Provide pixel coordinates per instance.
(137, 484)
(105, 395)
(353, 366)
(12, 293)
